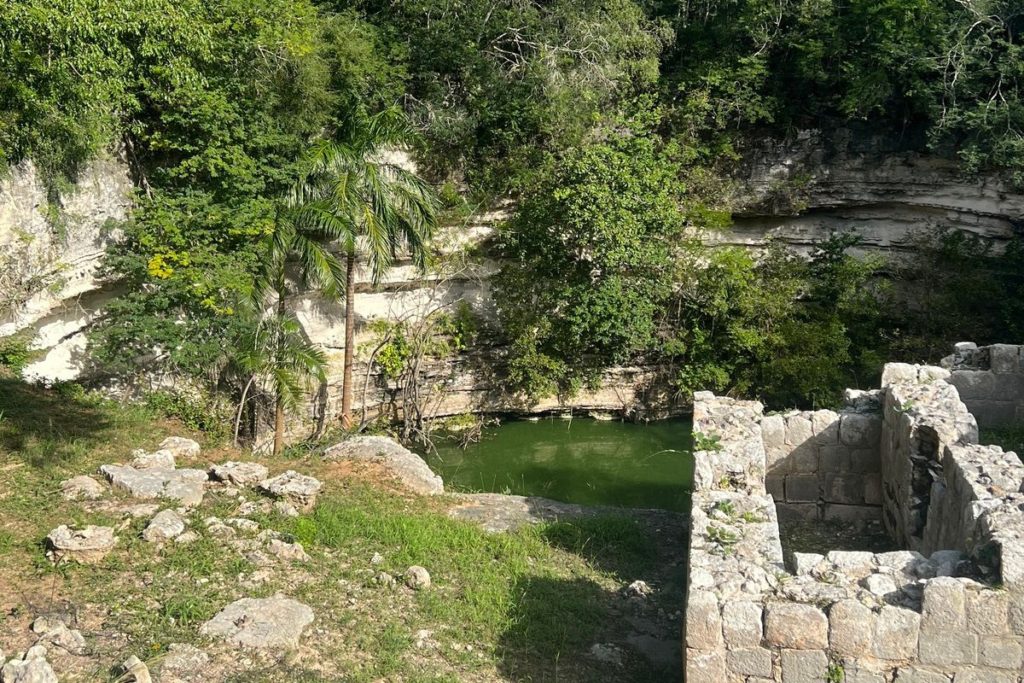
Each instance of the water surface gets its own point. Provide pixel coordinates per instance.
(582, 461)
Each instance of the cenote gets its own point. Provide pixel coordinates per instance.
(583, 461)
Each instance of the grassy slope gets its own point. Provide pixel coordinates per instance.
(520, 606)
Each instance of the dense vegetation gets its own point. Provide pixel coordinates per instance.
(610, 120)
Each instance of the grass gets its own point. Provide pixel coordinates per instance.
(518, 606)
(1007, 438)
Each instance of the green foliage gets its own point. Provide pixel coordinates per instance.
(197, 412)
(588, 262)
(14, 352)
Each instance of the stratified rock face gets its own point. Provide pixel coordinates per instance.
(186, 486)
(298, 489)
(54, 260)
(408, 467)
(261, 623)
(86, 546)
(239, 473)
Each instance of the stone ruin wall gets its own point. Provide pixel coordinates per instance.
(949, 608)
(990, 380)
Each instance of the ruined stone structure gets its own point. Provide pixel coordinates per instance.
(949, 608)
(990, 380)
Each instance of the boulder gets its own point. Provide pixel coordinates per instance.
(81, 488)
(30, 667)
(57, 632)
(181, 447)
(293, 552)
(135, 671)
(417, 578)
(260, 623)
(297, 489)
(167, 525)
(161, 459)
(186, 486)
(239, 473)
(86, 546)
(407, 467)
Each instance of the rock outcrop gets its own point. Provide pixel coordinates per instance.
(260, 623)
(406, 466)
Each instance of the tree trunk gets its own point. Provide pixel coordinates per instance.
(278, 399)
(350, 334)
(279, 426)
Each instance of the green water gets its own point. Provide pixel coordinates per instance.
(576, 461)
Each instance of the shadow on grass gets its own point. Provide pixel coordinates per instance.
(614, 543)
(45, 427)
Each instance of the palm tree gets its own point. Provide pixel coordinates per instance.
(354, 193)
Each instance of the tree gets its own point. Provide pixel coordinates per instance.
(355, 191)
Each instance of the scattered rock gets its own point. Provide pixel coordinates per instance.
(285, 509)
(293, 552)
(606, 653)
(250, 507)
(167, 525)
(425, 639)
(637, 589)
(218, 529)
(243, 524)
(408, 467)
(417, 578)
(186, 538)
(239, 473)
(261, 623)
(81, 488)
(297, 489)
(181, 447)
(140, 510)
(384, 579)
(135, 670)
(55, 631)
(186, 486)
(86, 546)
(161, 459)
(183, 664)
(376, 559)
(31, 667)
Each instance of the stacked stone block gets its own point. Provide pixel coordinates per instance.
(858, 617)
(825, 465)
(990, 380)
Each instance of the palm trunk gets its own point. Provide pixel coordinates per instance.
(279, 399)
(350, 335)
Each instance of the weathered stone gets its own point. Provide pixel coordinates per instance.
(896, 633)
(31, 667)
(987, 612)
(703, 622)
(751, 662)
(865, 460)
(186, 486)
(872, 489)
(913, 674)
(161, 459)
(805, 563)
(239, 473)
(606, 653)
(408, 467)
(944, 605)
(82, 488)
(741, 624)
(798, 430)
(57, 632)
(979, 675)
(802, 488)
(86, 546)
(385, 579)
(851, 626)
(285, 509)
(292, 552)
(797, 626)
(181, 447)
(637, 589)
(417, 578)
(261, 623)
(167, 525)
(897, 373)
(243, 524)
(854, 564)
(183, 664)
(804, 666)
(135, 671)
(948, 648)
(1001, 651)
(879, 585)
(704, 666)
(297, 489)
(186, 538)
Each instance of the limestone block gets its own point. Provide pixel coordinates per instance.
(948, 648)
(794, 625)
(798, 430)
(914, 674)
(987, 612)
(845, 489)
(851, 563)
(866, 460)
(1001, 651)
(1004, 358)
(803, 459)
(181, 447)
(752, 662)
(872, 489)
(704, 666)
(775, 485)
(773, 434)
(896, 633)
(825, 424)
(850, 627)
(802, 488)
(834, 459)
(741, 624)
(805, 563)
(1016, 613)
(261, 623)
(703, 622)
(980, 675)
(804, 666)
(860, 430)
(944, 605)
(161, 459)
(898, 373)
(974, 384)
